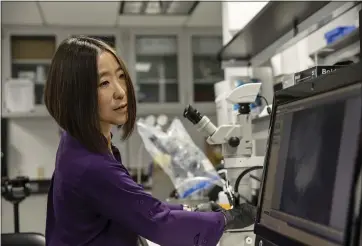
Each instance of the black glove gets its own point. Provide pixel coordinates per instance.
(208, 207)
(240, 216)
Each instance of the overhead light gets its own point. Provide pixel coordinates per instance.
(133, 7)
(153, 8)
(157, 7)
(181, 7)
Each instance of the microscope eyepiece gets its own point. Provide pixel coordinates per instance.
(192, 114)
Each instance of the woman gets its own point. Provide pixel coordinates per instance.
(92, 199)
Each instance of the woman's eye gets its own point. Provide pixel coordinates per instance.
(121, 76)
(104, 83)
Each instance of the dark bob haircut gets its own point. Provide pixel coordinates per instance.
(71, 91)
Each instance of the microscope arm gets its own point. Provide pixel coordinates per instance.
(223, 134)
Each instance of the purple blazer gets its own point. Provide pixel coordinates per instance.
(94, 201)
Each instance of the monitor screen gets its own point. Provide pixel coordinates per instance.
(310, 166)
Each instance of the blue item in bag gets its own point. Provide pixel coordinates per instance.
(199, 186)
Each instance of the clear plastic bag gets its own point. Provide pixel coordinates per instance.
(189, 169)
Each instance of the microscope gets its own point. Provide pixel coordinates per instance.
(237, 149)
(15, 191)
(236, 140)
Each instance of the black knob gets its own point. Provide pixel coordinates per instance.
(244, 108)
(234, 141)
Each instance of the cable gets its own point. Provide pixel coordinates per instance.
(268, 109)
(239, 178)
(255, 178)
(245, 172)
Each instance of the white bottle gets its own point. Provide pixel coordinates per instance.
(223, 200)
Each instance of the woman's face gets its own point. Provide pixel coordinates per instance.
(112, 92)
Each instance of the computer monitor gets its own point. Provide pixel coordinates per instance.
(311, 161)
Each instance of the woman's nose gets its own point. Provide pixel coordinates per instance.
(119, 92)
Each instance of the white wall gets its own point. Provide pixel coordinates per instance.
(236, 15)
(32, 146)
(293, 59)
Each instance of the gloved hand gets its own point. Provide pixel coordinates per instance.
(239, 217)
(208, 207)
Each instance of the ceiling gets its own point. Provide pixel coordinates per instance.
(206, 14)
(157, 7)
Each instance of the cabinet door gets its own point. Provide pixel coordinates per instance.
(157, 69)
(30, 58)
(206, 68)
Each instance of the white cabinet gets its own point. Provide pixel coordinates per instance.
(157, 69)
(206, 68)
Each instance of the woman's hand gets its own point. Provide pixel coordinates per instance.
(240, 216)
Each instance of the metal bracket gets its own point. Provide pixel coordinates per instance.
(295, 27)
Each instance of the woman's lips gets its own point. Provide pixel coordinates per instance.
(121, 108)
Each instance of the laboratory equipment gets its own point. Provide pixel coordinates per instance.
(314, 72)
(311, 186)
(237, 150)
(236, 139)
(224, 110)
(15, 191)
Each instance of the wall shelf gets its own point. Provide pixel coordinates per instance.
(32, 61)
(340, 44)
(275, 25)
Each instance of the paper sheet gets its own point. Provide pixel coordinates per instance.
(19, 95)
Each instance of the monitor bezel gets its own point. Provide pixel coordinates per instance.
(341, 78)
